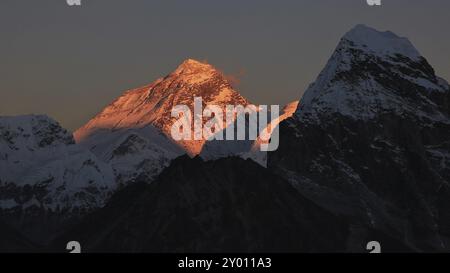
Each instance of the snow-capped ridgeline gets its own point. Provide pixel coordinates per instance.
(41, 166)
(381, 43)
(134, 153)
(358, 79)
(247, 149)
(142, 118)
(260, 156)
(152, 104)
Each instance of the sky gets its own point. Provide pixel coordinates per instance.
(70, 62)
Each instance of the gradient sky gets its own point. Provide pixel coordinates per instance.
(70, 62)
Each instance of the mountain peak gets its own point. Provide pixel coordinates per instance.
(193, 62)
(380, 42)
(373, 72)
(151, 106)
(44, 130)
(191, 66)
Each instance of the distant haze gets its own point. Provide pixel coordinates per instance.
(70, 62)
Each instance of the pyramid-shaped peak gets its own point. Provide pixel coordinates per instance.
(193, 62)
(381, 42)
(193, 66)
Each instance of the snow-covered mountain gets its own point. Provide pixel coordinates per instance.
(42, 168)
(134, 132)
(371, 73)
(367, 148)
(370, 141)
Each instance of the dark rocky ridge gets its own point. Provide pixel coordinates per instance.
(228, 205)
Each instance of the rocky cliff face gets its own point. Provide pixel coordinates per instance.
(370, 139)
